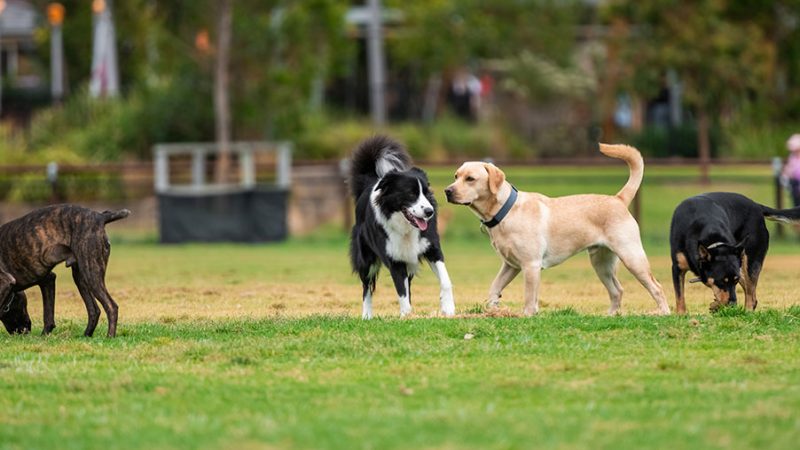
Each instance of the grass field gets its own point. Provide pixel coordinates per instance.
(243, 346)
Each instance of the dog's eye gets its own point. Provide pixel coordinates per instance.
(470, 179)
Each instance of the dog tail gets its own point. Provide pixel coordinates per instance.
(781, 215)
(113, 216)
(374, 158)
(636, 165)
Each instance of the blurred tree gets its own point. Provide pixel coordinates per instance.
(529, 38)
(721, 56)
(282, 54)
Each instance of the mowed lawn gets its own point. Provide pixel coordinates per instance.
(261, 346)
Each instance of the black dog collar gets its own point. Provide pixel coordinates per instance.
(503, 211)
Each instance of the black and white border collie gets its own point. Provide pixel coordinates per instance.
(395, 223)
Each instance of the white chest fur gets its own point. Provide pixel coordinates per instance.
(403, 241)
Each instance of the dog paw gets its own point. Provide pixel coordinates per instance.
(530, 312)
(448, 309)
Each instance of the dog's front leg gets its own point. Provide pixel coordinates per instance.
(532, 273)
(678, 277)
(48, 288)
(402, 285)
(447, 305)
(506, 274)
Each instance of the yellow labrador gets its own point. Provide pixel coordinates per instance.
(532, 232)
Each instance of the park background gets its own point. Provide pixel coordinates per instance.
(261, 345)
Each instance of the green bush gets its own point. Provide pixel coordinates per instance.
(681, 141)
(112, 129)
(34, 188)
(445, 138)
(750, 141)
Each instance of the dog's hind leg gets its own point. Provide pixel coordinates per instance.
(368, 276)
(402, 285)
(92, 258)
(749, 281)
(632, 255)
(501, 280)
(605, 262)
(48, 288)
(92, 310)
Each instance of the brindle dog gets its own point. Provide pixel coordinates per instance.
(32, 245)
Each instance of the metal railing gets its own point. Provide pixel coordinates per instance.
(245, 153)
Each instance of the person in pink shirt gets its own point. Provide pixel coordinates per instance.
(791, 171)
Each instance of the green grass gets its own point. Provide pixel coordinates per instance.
(260, 346)
(561, 380)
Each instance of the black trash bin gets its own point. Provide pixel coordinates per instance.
(252, 215)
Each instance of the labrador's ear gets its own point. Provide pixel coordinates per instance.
(496, 177)
(703, 252)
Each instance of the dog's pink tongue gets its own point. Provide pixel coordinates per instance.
(421, 223)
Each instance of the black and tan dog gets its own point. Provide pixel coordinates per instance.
(723, 239)
(32, 245)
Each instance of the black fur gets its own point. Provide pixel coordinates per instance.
(730, 219)
(399, 188)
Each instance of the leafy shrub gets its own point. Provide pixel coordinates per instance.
(663, 142)
(753, 141)
(111, 129)
(445, 138)
(34, 188)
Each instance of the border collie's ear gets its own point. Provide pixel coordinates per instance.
(703, 251)
(419, 173)
(496, 177)
(385, 180)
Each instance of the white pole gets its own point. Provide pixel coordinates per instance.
(56, 64)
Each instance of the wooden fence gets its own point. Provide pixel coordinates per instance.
(318, 190)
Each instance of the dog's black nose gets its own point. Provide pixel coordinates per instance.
(428, 212)
(448, 192)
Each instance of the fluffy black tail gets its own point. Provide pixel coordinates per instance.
(112, 216)
(373, 159)
(781, 215)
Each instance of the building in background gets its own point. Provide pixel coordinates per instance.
(23, 86)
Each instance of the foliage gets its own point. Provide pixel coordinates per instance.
(444, 34)
(662, 142)
(753, 140)
(532, 77)
(447, 138)
(172, 111)
(720, 57)
(34, 188)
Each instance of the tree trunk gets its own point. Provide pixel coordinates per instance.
(222, 108)
(703, 145)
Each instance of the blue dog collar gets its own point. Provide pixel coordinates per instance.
(512, 198)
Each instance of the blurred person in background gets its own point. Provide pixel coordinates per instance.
(791, 171)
